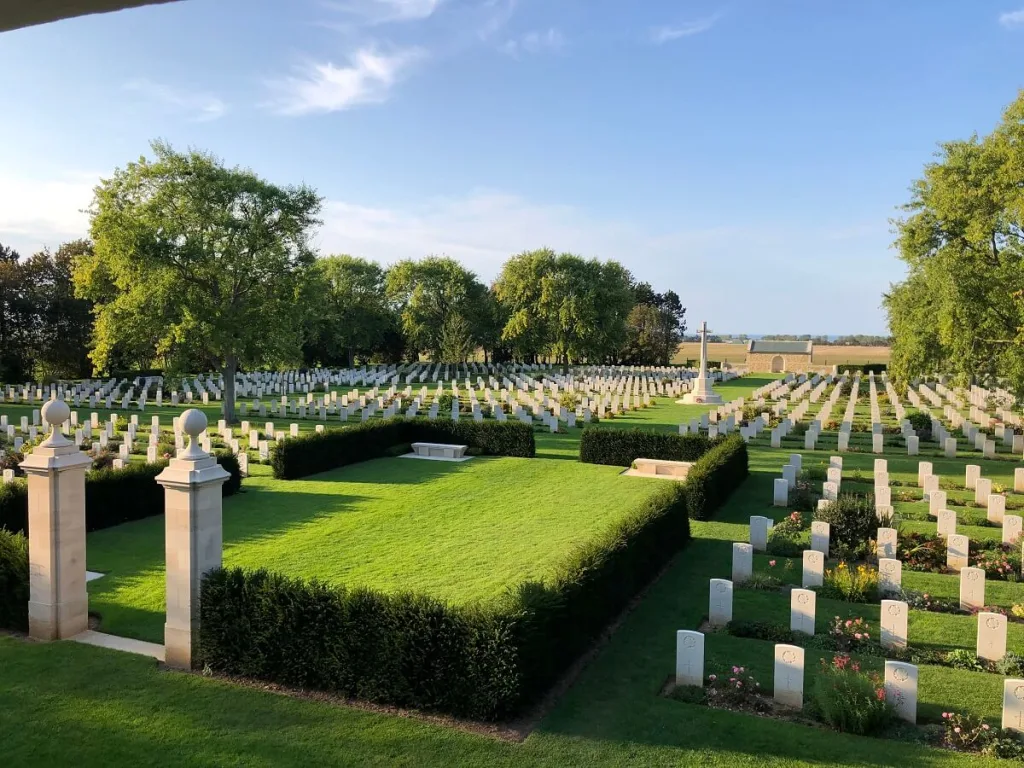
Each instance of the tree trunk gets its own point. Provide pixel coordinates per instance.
(351, 357)
(228, 371)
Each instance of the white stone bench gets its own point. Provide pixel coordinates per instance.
(662, 467)
(439, 450)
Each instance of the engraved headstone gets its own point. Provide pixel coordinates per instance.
(789, 675)
(901, 689)
(893, 621)
(689, 657)
(801, 611)
(991, 636)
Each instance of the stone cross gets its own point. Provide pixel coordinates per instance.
(689, 657)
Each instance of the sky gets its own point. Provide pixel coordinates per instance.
(747, 154)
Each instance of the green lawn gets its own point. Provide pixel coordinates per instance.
(458, 531)
(65, 703)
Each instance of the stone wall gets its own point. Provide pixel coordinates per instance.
(762, 362)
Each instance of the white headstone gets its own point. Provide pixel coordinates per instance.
(991, 636)
(720, 602)
(819, 536)
(801, 611)
(1013, 705)
(759, 532)
(789, 675)
(742, 562)
(957, 546)
(689, 657)
(901, 689)
(886, 542)
(893, 621)
(972, 588)
(1011, 528)
(814, 569)
(890, 576)
(945, 522)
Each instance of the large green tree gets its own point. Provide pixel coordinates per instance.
(518, 291)
(349, 310)
(196, 260)
(959, 310)
(433, 297)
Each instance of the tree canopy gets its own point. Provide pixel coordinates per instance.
(195, 261)
(959, 311)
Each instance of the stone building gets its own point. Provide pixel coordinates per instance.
(769, 356)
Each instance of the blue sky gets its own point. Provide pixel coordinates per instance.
(746, 154)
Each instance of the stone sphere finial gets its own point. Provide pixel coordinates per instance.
(55, 413)
(193, 423)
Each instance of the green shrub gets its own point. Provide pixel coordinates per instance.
(319, 452)
(445, 402)
(761, 630)
(13, 581)
(715, 475)
(621, 447)
(112, 496)
(852, 523)
(848, 700)
(482, 661)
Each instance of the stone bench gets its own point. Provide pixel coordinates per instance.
(439, 450)
(663, 467)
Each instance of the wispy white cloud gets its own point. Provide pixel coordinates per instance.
(372, 12)
(367, 78)
(44, 211)
(534, 42)
(666, 34)
(494, 14)
(195, 105)
(1012, 19)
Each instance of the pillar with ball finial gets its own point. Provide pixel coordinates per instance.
(192, 513)
(58, 606)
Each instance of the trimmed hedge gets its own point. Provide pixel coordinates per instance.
(314, 453)
(715, 475)
(13, 581)
(484, 662)
(865, 368)
(112, 496)
(621, 447)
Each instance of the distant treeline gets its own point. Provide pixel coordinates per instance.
(854, 340)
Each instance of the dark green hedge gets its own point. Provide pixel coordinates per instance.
(865, 368)
(715, 475)
(484, 662)
(621, 447)
(112, 496)
(13, 581)
(308, 455)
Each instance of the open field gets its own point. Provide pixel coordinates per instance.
(823, 355)
(457, 531)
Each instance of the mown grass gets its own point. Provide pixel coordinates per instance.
(457, 531)
(110, 709)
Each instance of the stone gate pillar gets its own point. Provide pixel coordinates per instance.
(58, 606)
(192, 511)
